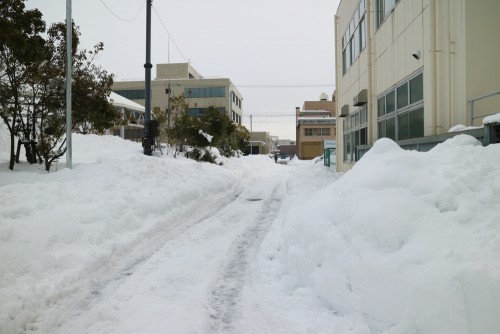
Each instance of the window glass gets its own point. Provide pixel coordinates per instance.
(355, 44)
(390, 102)
(404, 126)
(362, 136)
(417, 123)
(390, 128)
(357, 117)
(417, 88)
(381, 129)
(362, 118)
(362, 7)
(351, 28)
(403, 95)
(348, 56)
(344, 65)
(356, 17)
(362, 28)
(388, 5)
(381, 106)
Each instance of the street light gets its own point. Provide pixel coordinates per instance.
(69, 47)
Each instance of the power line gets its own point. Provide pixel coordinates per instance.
(168, 34)
(122, 19)
(287, 86)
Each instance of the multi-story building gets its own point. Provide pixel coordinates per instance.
(315, 124)
(200, 93)
(261, 142)
(409, 68)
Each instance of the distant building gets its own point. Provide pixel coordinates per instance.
(200, 93)
(260, 143)
(408, 69)
(315, 123)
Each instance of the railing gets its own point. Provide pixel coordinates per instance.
(424, 144)
(472, 117)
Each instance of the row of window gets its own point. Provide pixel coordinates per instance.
(132, 94)
(236, 118)
(202, 111)
(317, 132)
(354, 39)
(355, 133)
(400, 116)
(205, 92)
(236, 100)
(402, 96)
(403, 126)
(400, 111)
(384, 8)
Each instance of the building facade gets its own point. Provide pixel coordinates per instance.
(409, 68)
(261, 142)
(315, 124)
(201, 93)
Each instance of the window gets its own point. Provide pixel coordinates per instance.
(390, 104)
(417, 89)
(403, 95)
(205, 92)
(317, 132)
(201, 111)
(406, 102)
(354, 39)
(355, 133)
(384, 8)
(132, 94)
(381, 106)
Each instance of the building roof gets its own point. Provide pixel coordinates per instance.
(122, 102)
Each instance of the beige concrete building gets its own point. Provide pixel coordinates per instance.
(176, 79)
(409, 68)
(261, 142)
(315, 123)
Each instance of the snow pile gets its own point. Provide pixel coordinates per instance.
(492, 119)
(406, 242)
(59, 227)
(461, 127)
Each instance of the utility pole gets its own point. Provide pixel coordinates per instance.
(69, 57)
(148, 139)
(251, 131)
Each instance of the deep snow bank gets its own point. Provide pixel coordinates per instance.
(407, 241)
(59, 229)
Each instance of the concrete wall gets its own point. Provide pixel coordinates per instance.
(459, 57)
(159, 87)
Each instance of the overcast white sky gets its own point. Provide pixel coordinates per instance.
(270, 44)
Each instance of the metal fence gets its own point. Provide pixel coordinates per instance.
(490, 134)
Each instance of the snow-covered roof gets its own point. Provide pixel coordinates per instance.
(120, 101)
(492, 119)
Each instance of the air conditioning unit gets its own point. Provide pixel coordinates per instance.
(361, 98)
(344, 111)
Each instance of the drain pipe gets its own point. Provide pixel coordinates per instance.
(433, 52)
(371, 94)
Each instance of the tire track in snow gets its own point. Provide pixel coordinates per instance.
(225, 294)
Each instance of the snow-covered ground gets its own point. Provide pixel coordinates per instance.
(405, 242)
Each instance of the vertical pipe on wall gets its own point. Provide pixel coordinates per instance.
(371, 94)
(450, 83)
(339, 157)
(433, 91)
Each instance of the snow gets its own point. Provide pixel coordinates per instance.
(405, 242)
(492, 119)
(206, 135)
(461, 127)
(120, 101)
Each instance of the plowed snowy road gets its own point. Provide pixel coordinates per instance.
(189, 277)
